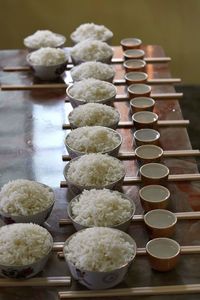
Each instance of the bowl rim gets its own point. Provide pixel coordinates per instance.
(35, 214)
(158, 155)
(154, 164)
(89, 186)
(119, 136)
(57, 46)
(138, 85)
(97, 101)
(162, 239)
(113, 108)
(163, 211)
(140, 98)
(69, 210)
(156, 132)
(35, 262)
(146, 187)
(28, 59)
(127, 237)
(136, 41)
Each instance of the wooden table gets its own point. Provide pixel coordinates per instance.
(32, 145)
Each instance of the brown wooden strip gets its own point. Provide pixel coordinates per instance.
(36, 281)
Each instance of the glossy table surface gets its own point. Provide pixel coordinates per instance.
(32, 145)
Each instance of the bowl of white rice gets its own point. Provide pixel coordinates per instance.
(91, 31)
(91, 50)
(93, 139)
(25, 201)
(91, 114)
(93, 69)
(24, 250)
(101, 208)
(48, 63)
(91, 90)
(99, 257)
(94, 171)
(44, 38)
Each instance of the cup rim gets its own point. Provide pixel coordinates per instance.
(151, 102)
(136, 41)
(162, 211)
(159, 155)
(140, 63)
(171, 241)
(154, 164)
(69, 210)
(146, 187)
(139, 85)
(103, 152)
(128, 237)
(157, 133)
(139, 53)
(150, 113)
(127, 75)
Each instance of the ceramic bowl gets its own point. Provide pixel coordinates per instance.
(145, 119)
(38, 218)
(134, 54)
(142, 104)
(163, 254)
(148, 153)
(25, 271)
(139, 90)
(97, 279)
(130, 43)
(113, 123)
(160, 223)
(43, 72)
(146, 136)
(135, 77)
(154, 173)
(113, 151)
(154, 197)
(122, 226)
(58, 45)
(131, 65)
(76, 102)
(76, 188)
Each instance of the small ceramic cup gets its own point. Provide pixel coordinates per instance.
(130, 43)
(135, 77)
(154, 173)
(134, 54)
(138, 90)
(154, 197)
(131, 65)
(141, 104)
(160, 223)
(163, 254)
(145, 119)
(146, 136)
(148, 153)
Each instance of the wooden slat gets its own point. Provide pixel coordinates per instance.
(151, 81)
(37, 281)
(135, 291)
(7, 87)
(167, 153)
(193, 215)
(129, 124)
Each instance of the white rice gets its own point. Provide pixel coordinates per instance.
(95, 170)
(92, 90)
(92, 114)
(101, 208)
(91, 31)
(25, 197)
(99, 249)
(93, 139)
(48, 56)
(43, 38)
(23, 244)
(91, 50)
(92, 69)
